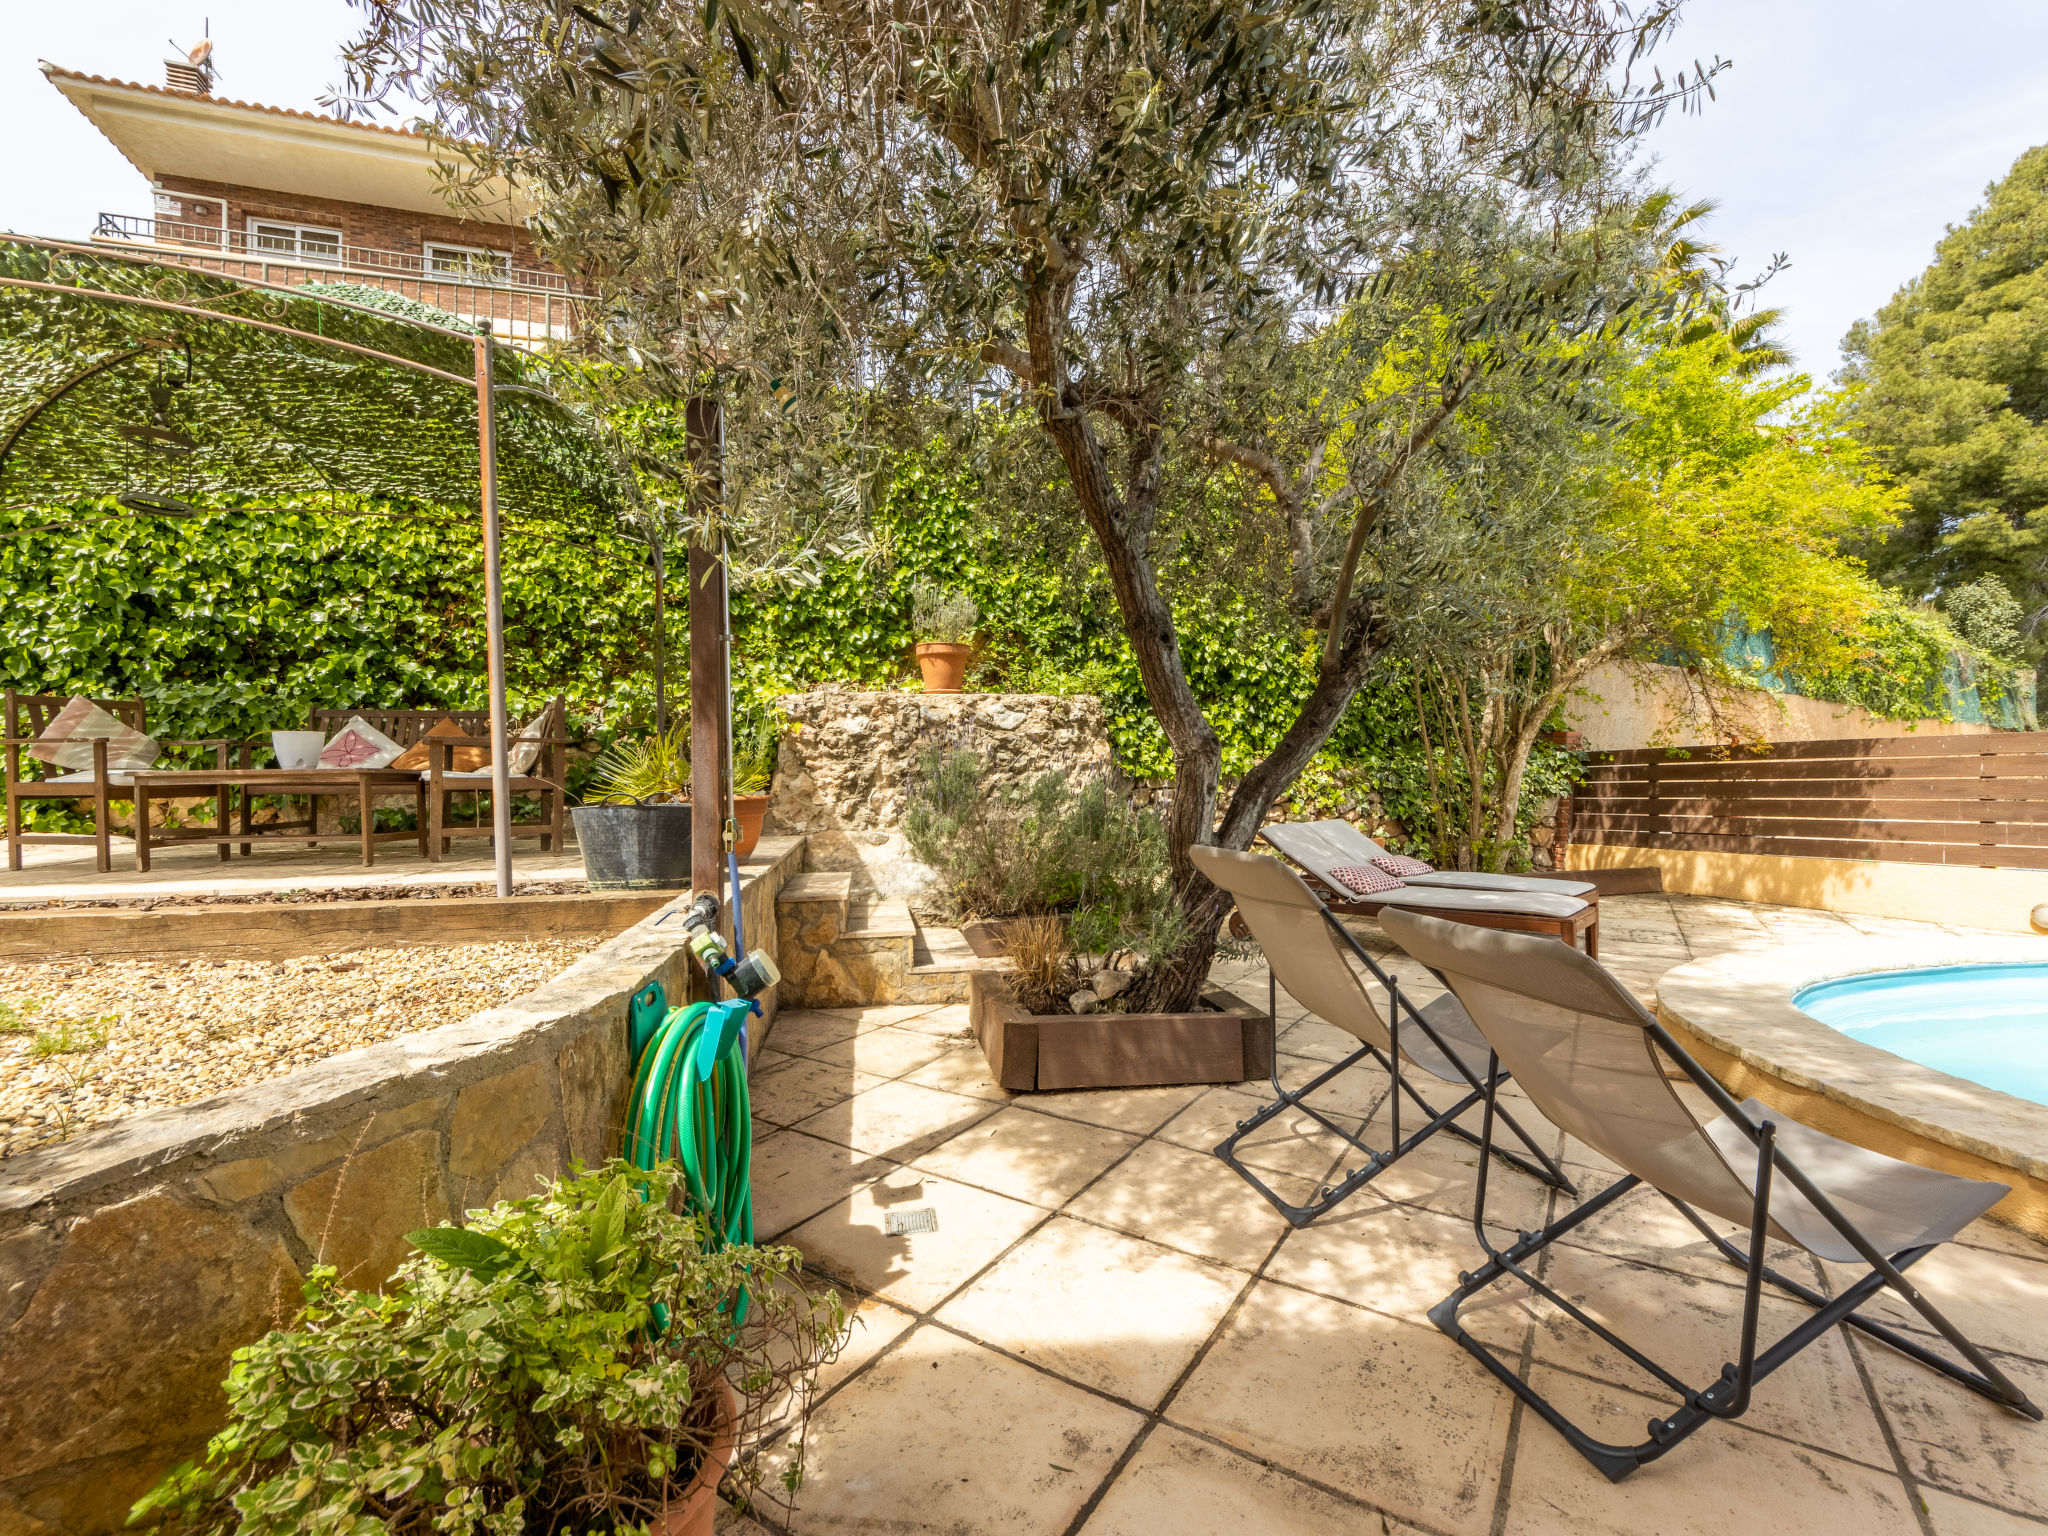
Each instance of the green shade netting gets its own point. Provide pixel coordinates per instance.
(100, 396)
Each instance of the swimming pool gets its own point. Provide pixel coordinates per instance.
(1986, 1023)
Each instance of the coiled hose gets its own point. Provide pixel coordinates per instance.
(689, 1106)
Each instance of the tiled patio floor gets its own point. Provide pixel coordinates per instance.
(1108, 1332)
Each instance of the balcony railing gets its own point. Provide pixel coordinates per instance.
(525, 306)
(347, 258)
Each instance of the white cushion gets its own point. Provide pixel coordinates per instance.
(525, 754)
(124, 780)
(67, 741)
(359, 744)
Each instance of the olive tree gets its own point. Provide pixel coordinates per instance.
(798, 200)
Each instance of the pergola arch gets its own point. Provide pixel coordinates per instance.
(284, 393)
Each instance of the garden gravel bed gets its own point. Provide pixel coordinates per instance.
(85, 1041)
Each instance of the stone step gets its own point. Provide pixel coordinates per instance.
(941, 964)
(873, 919)
(832, 887)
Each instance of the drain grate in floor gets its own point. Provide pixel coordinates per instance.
(903, 1223)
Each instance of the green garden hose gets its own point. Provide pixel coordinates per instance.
(689, 1106)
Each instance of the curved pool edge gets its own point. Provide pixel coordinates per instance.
(1735, 1012)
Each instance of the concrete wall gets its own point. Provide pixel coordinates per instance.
(135, 1260)
(2001, 899)
(1641, 705)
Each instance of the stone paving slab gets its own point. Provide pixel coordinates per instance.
(1128, 1340)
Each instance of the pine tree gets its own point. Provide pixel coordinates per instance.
(1955, 399)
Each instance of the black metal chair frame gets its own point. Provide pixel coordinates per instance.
(1544, 1168)
(1728, 1396)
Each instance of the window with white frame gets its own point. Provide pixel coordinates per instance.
(274, 238)
(471, 262)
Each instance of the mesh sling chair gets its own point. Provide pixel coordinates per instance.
(1584, 1051)
(1306, 949)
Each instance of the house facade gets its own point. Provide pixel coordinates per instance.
(288, 197)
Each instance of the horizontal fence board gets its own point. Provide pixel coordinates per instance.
(1962, 801)
(1826, 848)
(2000, 743)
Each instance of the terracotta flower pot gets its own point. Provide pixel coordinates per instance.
(694, 1513)
(943, 664)
(749, 810)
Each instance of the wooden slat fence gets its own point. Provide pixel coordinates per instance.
(1979, 801)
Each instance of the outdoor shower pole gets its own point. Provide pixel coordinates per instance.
(705, 433)
(494, 607)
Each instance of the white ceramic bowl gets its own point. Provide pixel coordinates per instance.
(298, 749)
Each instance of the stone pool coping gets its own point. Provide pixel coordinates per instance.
(1740, 1008)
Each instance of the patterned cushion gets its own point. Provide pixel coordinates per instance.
(1400, 866)
(415, 759)
(1364, 879)
(68, 741)
(359, 744)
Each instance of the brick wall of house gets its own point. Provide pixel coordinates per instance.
(388, 229)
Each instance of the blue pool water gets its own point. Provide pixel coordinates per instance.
(1987, 1023)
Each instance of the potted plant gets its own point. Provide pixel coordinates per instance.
(943, 619)
(757, 737)
(567, 1362)
(635, 828)
(1071, 883)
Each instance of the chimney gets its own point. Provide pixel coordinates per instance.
(192, 73)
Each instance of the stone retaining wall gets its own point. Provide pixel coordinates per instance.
(846, 763)
(134, 1260)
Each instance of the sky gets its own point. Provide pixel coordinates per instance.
(1848, 133)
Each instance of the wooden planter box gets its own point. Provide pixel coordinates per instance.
(1228, 1042)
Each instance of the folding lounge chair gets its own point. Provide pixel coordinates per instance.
(1356, 848)
(1586, 1053)
(1569, 918)
(1305, 952)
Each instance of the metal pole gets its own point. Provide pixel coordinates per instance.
(494, 609)
(707, 662)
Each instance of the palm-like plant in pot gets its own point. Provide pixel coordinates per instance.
(634, 827)
(571, 1362)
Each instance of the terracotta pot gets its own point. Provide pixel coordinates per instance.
(694, 1513)
(749, 810)
(943, 665)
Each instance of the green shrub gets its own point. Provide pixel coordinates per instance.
(549, 1368)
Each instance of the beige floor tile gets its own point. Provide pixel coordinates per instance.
(1952, 1516)
(897, 1120)
(2000, 1301)
(1191, 1201)
(874, 1326)
(946, 1020)
(787, 1094)
(1955, 1439)
(1724, 1478)
(1314, 1039)
(1348, 1098)
(1291, 1143)
(961, 1068)
(882, 1015)
(942, 1436)
(798, 1032)
(1105, 1310)
(916, 1270)
(2003, 1239)
(886, 1052)
(1442, 1174)
(796, 1176)
(1401, 1259)
(1390, 1413)
(1137, 1110)
(1690, 1326)
(1028, 1156)
(1644, 1227)
(1187, 1487)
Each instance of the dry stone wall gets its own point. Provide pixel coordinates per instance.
(847, 760)
(136, 1259)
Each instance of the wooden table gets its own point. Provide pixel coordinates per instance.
(363, 784)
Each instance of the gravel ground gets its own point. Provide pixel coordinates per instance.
(84, 1042)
